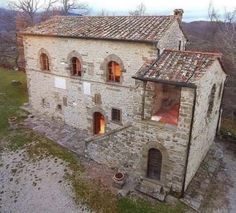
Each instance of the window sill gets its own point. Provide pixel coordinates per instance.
(164, 126)
(117, 122)
(76, 77)
(113, 83)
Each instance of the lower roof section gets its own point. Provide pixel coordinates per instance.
(177, 67)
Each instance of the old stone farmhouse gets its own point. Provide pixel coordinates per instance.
(149, 107)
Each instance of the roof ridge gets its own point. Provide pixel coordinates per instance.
(61, 16)
(219, 54)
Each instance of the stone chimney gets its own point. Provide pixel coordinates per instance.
(178, 13)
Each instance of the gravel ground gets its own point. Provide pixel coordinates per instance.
(34, 186)
(222, 192)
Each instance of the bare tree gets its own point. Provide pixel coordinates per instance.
(69, 5)
(225, 33)
(28, 7)
(139, 11)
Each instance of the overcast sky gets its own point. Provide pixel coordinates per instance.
(194, 10)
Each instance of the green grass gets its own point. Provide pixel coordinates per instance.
(90, 192)
(11, 97)
(128, 205)
(228, 127)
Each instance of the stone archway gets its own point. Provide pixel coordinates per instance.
(50, 61)
(74, 54)
(154, 164)
(161, 158)
(99, 123)
(107, 60)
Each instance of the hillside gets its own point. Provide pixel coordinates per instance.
(203, 36)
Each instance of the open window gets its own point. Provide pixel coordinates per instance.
(44, 62)
(166, 104)
(114, 72)
(75, 67)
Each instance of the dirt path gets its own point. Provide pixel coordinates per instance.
(34, 186)
(222, 192)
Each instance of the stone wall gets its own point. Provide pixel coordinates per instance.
(77, 107)
(127, 149)
(204, 127)
(172, 37)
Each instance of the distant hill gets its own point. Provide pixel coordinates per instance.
(7, 20)
(201, 35)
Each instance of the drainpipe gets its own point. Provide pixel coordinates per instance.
(143, 98)
(189, 143)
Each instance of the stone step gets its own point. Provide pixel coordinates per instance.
(152, 189)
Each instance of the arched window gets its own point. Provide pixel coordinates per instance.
(44, 61)
(154, 164)
(114, 72)
(75, 67)
(211, 100)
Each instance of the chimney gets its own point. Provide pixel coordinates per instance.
(178, 13)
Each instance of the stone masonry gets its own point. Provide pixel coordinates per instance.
(125, 145)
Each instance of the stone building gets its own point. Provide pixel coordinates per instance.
(150, 108)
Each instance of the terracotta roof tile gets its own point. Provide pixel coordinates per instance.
(133, 28)
(177, 66)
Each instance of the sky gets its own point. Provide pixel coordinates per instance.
(193, 10)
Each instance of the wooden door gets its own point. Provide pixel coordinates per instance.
(154, 164)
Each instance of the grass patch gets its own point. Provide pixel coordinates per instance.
(11, 97)
(93, 194)
(228, 128)
(129, 205)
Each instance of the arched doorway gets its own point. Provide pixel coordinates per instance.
(98, 123)
(154, 164)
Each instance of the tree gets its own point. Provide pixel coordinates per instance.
(139, 11)
(69, 5)
(224, 31)
(30, 8)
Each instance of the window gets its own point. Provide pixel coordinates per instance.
(114, 72)
(59, 107)
(180, 44)
(116, 115)
(64, 101)
(44, 61)
(166, 104)
(211, 100)
(75, 67)
(97, 99)
(43, 102)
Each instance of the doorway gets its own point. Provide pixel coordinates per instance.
(154, 164)
(98, 123)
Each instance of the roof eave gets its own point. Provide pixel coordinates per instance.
(176, 83)
(88, 38)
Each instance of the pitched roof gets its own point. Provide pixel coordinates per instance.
(131, 28)
(177, 66)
